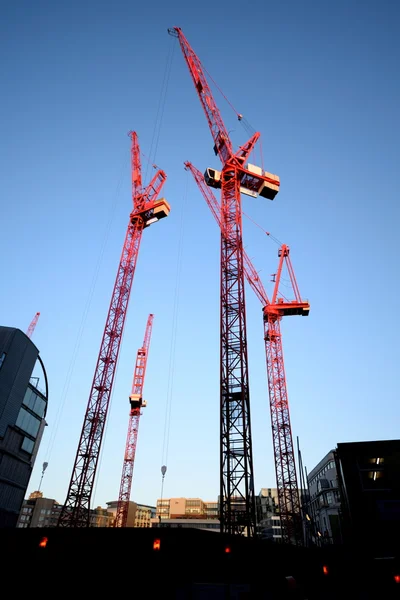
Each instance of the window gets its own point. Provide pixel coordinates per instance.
(373, 480)
(28, 445)
(2, 357)
(376, 461)
(27, 422)
(34, 402)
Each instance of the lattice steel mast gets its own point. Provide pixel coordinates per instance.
(273, 311)
(147, 209)
(237, 501)
(137, 403)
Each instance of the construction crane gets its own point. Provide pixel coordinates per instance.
(137, 403)
(237, 500)
(273, 311)
(33, 324)
(147, 209)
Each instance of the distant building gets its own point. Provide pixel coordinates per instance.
(268, 516)
(187, 512)
(190, 508)
(37, 511)
(23, 407)
(139, 515)
(324, 501)
(181, 523)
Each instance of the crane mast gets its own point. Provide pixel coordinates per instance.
(285, 465)
(273, 311)
(237, 501)
(137, 403)
(147, 209)
(32, 325)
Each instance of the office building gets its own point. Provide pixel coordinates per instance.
(191, 513)
(139, 515)
(323, 507)
(23, 407)
(37, 511)
(355, 496)
(268, 515)
(189, 508)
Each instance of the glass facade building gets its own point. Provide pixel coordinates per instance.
(23, 407)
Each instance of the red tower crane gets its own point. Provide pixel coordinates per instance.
(33, 324)
(137, 403)
(147, 209)
(273, 311)
(237, 501)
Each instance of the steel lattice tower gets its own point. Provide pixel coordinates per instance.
(147, 208)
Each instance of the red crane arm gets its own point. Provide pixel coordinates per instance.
(143, 199)
(244, 151)
(33, 324)
(284, 258)
(222, 142)
(137, 403)
(141, 360)
(213, 204)
(76, 509)
(154, 188)
(135, 165)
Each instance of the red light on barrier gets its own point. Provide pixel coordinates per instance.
(325, 570)
(228, 550)
(157, 544)
(397, 578)
(43, 542)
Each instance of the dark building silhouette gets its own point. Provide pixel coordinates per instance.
(23, 409)
(369, 483)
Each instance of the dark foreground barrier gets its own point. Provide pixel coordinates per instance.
(186, 564)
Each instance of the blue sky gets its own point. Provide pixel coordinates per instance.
(319, 81)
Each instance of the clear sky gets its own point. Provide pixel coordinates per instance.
(320, 81)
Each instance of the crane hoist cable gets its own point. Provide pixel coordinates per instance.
(272, 237)
(174, 328)
(86, 310)
(160, 109)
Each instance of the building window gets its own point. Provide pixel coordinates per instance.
(376, 461)
(34, 402)
(2, 357)
(373, 480)
(27, 445)
(27, 422)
